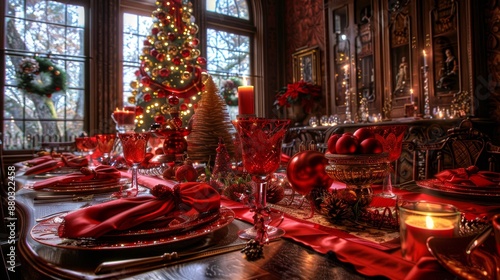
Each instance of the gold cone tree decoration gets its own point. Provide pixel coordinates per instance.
(210, 123)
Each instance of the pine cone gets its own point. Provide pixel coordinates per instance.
(253, 250)
(334, 207)
(275, 192)
(235, 190)
(317, 196)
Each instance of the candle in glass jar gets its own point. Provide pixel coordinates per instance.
(246, 101)
(124, 117)
(425, 58)
(419, 229)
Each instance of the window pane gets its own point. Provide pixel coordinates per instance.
(135, 30)
(54, 32)
(233, 8)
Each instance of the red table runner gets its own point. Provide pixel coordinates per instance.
(363, 255)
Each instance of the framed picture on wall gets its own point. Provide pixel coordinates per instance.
(306, 65)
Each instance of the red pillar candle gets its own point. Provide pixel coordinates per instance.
(419, 229)
(246, 100)
(124, 117)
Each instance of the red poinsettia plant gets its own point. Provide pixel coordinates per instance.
(301, 92)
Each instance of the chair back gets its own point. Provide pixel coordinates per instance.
(58, 147)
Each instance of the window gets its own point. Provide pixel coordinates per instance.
(229, 31)
(50, 36)
(136, 27)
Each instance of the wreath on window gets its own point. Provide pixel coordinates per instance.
(40, 76)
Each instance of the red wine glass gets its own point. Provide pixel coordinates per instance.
(134, 151)
(261, 141)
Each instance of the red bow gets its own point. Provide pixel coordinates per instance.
(125, 213)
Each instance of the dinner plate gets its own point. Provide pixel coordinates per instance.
(444, 188)
(450, 253)
(45, 232)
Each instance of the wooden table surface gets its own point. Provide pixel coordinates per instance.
(284, 259)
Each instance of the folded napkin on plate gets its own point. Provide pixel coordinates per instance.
(100, 173)
(44, 167)
(71, 160)
(470, 176)
(125, 213)
(38, 160)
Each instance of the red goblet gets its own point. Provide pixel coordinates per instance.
(134, 151)
(105, 144)
(391, 137)
(261, 141)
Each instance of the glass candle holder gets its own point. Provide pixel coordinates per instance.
(419, 220)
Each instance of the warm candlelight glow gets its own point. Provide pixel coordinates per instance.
(411, 96)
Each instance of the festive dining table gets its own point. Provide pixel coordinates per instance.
(310, 249)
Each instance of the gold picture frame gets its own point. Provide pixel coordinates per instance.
(306, 65)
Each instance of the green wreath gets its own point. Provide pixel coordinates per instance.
(40, 76)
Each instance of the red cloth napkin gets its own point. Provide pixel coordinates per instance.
(38, 160)
(470, 176)
(44, 167)
(71, 160)
(126, 213)
(100, 173)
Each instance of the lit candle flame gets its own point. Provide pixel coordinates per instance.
(429, 223)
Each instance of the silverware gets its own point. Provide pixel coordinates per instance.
(165, 259)
(57, 198)
(478, 240)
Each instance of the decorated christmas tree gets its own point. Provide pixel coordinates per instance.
(170, 65)
(210, 122)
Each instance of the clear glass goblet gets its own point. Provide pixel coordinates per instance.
(134, 151)
(105, 144)
(261, 141)
(90, 143)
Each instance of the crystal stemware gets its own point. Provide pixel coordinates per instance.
(105, 144)
(261, 141)
(391, 138)
(134, 151)
(90, 144)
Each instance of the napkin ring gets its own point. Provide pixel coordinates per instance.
(162, 192)
(89, 171)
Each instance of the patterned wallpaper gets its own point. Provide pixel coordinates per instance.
(305, 28)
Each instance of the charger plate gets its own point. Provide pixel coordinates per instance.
(450, 253)
(45, 232)
(461, 190)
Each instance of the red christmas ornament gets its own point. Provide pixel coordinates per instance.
(162, 93)
(153, 52)
(160, 119)
(185, 53)
(173, 100)
(306, 170)
(161, 15)
(155, 30)
(171, 36)
(145, 81)
(201, 60)
(183, 107)
(164, 72)
(186, 173)
(174, 144)
(139, 110)
(176, 60)
(147, 97)
(147, 43)
(160, 57)
(195, 42)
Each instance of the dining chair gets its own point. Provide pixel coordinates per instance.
(289, 148)
(58, 146)
(462, 146)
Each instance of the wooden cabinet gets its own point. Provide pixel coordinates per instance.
(386, 54)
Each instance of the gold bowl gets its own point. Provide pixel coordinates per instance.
(359, 172)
